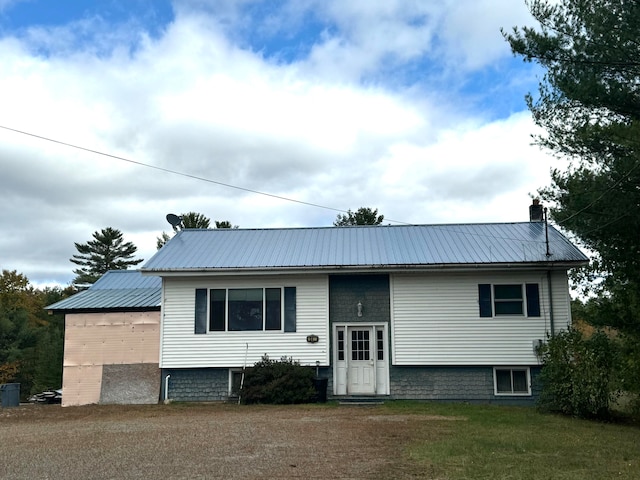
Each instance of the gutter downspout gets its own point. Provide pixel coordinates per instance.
(166, 387)
(549, 286)
(551, 320)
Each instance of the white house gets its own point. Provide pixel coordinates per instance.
(444, 312)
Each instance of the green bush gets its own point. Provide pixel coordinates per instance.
(278, 382)
(579, 375)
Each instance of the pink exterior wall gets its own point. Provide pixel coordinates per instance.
(96, 339)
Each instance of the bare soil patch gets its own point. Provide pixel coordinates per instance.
(214, 441)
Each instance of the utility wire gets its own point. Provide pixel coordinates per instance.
(271, 195)
(591, 204)
(182, 174)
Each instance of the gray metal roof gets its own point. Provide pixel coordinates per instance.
(116, 289)
(360, 247)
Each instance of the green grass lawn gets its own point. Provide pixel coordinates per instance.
(492, 442)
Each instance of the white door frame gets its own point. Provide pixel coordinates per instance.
(380, 366)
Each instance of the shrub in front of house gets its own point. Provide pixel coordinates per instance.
(281, 381)
(579, 375)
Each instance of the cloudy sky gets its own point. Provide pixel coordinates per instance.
(412, 107)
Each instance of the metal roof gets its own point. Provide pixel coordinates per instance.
(116, 289)
(364, 246)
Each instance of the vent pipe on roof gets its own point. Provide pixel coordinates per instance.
(536, 212)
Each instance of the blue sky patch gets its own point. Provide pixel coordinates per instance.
(153, 14)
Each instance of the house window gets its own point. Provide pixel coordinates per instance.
(509, 299)
(511, 381)
(360, 349)
(246, 306)
(340, 345)
(217, 309)
(380, 343)
(235, 382)
(245, 309)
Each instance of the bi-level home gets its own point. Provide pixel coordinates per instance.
(443, 312)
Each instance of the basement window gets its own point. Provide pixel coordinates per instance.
(512, 381)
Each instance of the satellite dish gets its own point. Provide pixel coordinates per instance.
(174, 220)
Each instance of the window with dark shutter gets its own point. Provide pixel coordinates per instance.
(245, 309)
(484, 296)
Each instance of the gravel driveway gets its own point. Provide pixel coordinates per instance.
(205, 441)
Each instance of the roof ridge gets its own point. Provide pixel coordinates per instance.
(333, 227)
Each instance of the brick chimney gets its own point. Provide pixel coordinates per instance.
(536, 213)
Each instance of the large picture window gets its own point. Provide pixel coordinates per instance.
(509, 299)
(245, 309)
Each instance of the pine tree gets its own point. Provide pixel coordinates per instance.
(107, 251)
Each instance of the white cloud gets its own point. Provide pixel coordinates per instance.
(194, 100)
(470, 31)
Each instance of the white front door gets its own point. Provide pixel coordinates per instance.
(361, 371)
(361, 365)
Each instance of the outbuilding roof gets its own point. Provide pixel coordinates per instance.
(388, 247)
(115, 290)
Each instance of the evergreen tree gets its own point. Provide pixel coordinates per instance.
(192, 220)
(589, 107)
(107, 251)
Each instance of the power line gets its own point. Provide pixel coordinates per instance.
(182, 174)
(271, 195)
(601, 196)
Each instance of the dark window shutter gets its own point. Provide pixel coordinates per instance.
(533, 300)
(484, 296)
(201, 311)
(289, 309)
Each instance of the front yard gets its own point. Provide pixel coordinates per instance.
(395, 440)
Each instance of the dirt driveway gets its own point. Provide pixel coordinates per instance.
(206, 442)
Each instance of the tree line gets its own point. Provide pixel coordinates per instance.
(31, 341)
(588, 105)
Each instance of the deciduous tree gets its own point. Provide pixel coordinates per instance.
(31, 342)
(362, 216)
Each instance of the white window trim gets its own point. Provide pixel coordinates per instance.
(511, 394)
(232, 371)
(387, 359)
(264, 309)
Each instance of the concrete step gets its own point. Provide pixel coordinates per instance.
(360, 400)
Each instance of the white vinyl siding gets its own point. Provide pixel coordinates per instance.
(182, 348)
(435, 319)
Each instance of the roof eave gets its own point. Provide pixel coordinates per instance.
(547, 265)
(55, 311)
